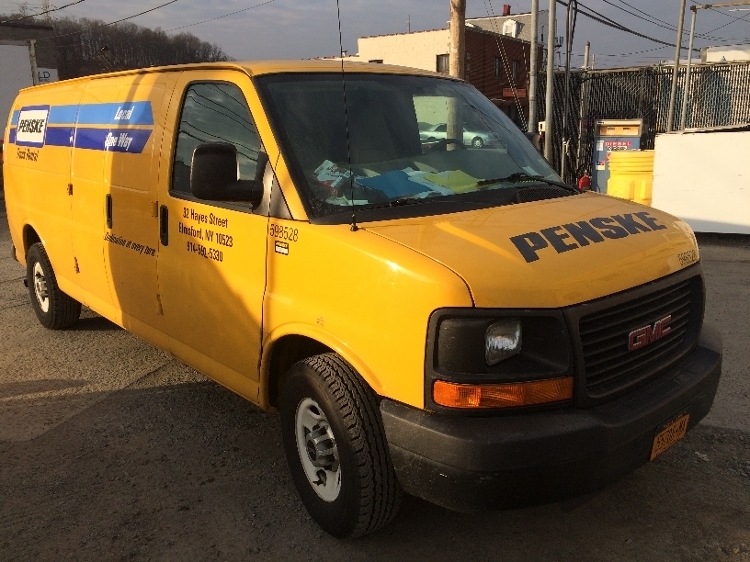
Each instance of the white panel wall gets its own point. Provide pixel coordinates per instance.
(15, 73)
(704, 179)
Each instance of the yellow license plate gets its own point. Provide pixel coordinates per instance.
(671, 434)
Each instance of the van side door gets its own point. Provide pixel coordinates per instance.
(131, 201)
(212, 255)
(94, 121)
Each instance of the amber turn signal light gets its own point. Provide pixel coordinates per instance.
(454, 395)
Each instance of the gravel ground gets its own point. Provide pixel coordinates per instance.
(111, 450)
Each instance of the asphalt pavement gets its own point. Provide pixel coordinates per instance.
(112, 450)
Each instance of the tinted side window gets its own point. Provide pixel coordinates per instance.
(214, 112)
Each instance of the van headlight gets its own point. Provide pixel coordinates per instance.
(505, 357)
(502, 340)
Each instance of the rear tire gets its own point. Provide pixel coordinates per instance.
(336, 448)
(54, 309)
(477, 142)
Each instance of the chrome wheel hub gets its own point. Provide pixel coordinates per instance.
(40, 287)
(317, 450)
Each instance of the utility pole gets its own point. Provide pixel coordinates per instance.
(586, 51)
(32, 59)
(456, 67)
(532, 67)
(568, 50)
(675, 70)
(584, 105)
(550, 81)
(686, 90)
(457, 38)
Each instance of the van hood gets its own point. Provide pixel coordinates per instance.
(551, 253)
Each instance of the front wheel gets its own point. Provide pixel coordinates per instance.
(54, 309)
(336, 448)
(477, 142)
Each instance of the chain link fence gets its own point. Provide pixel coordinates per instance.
(719, 96)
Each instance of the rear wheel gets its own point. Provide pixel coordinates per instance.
(336, 448)
(477, 142)
(54, 309)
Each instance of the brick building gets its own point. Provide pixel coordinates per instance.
(496, 64)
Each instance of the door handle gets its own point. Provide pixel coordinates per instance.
(164, 225)
(108, 205)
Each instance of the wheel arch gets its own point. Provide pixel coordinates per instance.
(30, 237)
(283, 350)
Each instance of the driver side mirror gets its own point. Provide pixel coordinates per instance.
(214, 171)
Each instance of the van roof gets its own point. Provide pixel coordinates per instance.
(256, 68)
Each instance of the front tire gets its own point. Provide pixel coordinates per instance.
(54, 309)
(477, 142)
(336, 448)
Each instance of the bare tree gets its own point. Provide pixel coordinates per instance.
(86, 46)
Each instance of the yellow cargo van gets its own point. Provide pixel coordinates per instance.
(438, 317)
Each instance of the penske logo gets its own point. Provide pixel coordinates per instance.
(32, 124)
(641, 337)
(574, 235)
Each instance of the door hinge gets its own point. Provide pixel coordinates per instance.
(75, 265)
(70, 189)
(154, 209)
(159, 309)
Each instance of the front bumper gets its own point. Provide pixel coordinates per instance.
(471, 463)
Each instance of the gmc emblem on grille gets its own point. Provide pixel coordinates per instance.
(643, 336)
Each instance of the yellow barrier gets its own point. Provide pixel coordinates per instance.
(631, 175)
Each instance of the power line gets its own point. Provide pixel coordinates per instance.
(601, 18)
(114, 22)
(219, 17)
(663, 24)
(44, 12)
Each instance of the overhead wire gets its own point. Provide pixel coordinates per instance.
(220, 17)
(500, 44)
(112, 23)
(665, 25)
(601, 18)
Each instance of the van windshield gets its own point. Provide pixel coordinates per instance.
(411, 139)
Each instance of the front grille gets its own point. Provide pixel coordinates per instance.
(610, 366)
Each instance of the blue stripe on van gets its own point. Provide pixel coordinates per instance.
(129, 113)
(12, 136)
(58, 136)
(126, 113)
(59, 114)
(113, 140)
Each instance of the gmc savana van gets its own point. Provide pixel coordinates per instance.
(436, 316)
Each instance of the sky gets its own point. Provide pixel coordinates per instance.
(301, 29)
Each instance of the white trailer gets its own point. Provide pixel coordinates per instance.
(703, 177)
(16, 68)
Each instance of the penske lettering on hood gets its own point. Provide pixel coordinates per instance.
(594, 230)
(551, 253)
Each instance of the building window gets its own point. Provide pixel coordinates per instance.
(498, 67)
(443, 64)
(516, 68)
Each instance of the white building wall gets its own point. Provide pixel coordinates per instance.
(727, 53)
(416, 50)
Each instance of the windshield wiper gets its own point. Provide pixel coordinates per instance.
(400, 201)
(518, 177)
